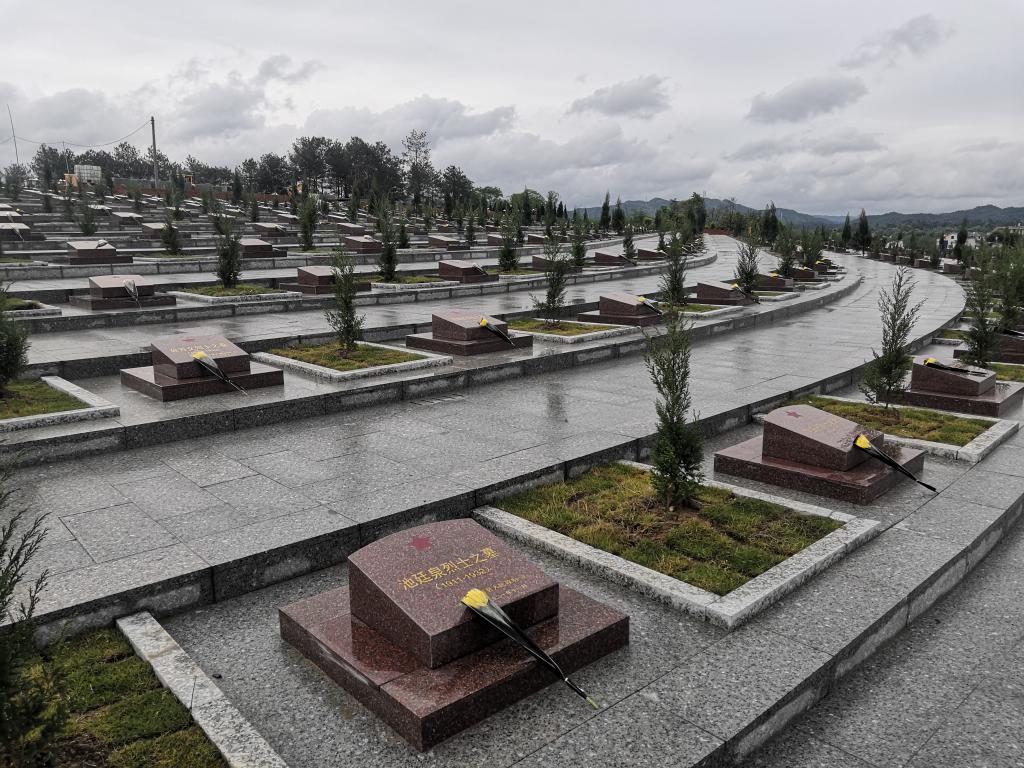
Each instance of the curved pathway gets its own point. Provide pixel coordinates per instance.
(125, 520)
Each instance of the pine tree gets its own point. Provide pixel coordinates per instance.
(403, 235)
(983, 335)
(628, 248)
(33, 696)
(508, 256)
(471, 229)
(862, 240)
(254, 209)
(169, 236)
(236, 187)
(342, 317)
(556, 273)
(14, 346)
(606, 216)
(229, 256)
(618, 217)
(769, 225)
(678, 452)
(87, 220)
(307, 223)
(961, 241)
(579, 243)
(785, 252)
(747, 270)
(387, 262)
(673, 279)
(884, 377)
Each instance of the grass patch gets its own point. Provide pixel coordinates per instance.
(951, 334)
(905, 422)
(408, 279)
(561, 328)
(513, 272)
(119, 714)
(242, 289)
(35, 397)
(330, 356)
(20, 305)
(1008, 371)
(13, 260)
(693, 307)
(718, 547)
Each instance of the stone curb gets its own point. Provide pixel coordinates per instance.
(44, 310)
(429, 360)
(98, 408)
(243, 299)
(393, 287)
(729, 611)
(241, 745)
(608, 333)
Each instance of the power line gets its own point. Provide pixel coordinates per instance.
(81, 146)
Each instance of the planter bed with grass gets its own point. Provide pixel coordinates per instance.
(703, 311)
(118, 714)
(1007, 371)
(324, 361)
(218, 294)
(567, 331)
(21, 308)
(51, 400)
(732, 555)
(949, 435)
(411, 283)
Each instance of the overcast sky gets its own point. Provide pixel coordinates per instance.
(820, 106)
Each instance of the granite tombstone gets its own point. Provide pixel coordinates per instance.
(810, 450)
(175, 375)
(121, 292)
(945, 385)
(621, 308)
(399, 639)
(461, 332)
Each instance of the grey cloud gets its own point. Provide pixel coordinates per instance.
(640, 97)
(279, 67)
(443, 119)
(218, 109)
(842, 142)
(914, 37)
(806, 98)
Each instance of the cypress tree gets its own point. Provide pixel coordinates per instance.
(606, 216)
(863, 237)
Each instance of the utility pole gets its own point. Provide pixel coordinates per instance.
(17, 160)
(156, 170)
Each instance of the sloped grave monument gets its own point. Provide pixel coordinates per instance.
(620, 308)
(463, 272)
(810, 450)
(121, 292)
(460, 332)
(945, 385)
(186, 366)
(317, 280)
(399, 639)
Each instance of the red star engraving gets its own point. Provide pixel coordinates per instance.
(794, 414)
(420, 543)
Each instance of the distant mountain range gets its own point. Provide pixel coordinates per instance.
(983, 216)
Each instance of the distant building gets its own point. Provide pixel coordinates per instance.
(949, 240)
(91, 174)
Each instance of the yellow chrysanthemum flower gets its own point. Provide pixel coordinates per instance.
(930, 360)
(862, 442)
(483, 322)
(198, 355)
(641, 299)
(475, 598)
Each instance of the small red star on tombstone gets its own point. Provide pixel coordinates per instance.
(794, 414)
(420, 543)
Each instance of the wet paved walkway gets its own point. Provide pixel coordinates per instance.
(948, 692)
(85, 344)
(172, 509)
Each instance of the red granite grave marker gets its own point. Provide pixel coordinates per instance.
(417, 657)
(976, 393)
(460, 332)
